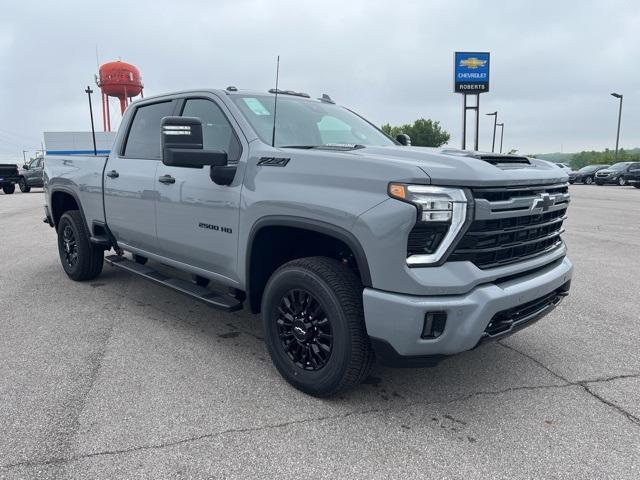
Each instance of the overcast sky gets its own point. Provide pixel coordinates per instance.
(553, 63)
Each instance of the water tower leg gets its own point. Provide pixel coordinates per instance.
(108, 114)
(104, 114)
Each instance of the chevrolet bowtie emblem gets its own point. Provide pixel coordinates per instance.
(544, 202)
(472, 62)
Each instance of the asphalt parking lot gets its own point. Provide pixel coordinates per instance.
(120, 378)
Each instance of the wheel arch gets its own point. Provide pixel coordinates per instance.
(62, 200)
(257, 272)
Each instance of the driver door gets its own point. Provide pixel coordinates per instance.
(197, 220)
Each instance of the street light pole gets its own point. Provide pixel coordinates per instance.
(88, 91)
(619, 96)
(495, 123)
(24, 158)
(501, 125)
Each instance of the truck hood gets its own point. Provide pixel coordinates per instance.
(448, 166)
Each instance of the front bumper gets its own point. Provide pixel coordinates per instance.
(395, 321)
(605, 180)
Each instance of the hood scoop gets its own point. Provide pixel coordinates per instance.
(498, 160)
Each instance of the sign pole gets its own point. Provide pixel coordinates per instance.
(464, 121)
(475, 144)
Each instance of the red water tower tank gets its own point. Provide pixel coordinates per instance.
(121, 80)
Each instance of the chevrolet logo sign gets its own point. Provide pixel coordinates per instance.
(544, 202)
(472, 62)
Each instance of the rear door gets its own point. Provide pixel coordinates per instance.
(130, 189)
(197, 220)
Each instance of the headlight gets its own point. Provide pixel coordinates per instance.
(442, 212)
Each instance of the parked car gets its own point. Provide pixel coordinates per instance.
(586, 174)
(615, 174)
(632, 177)
(348, 242)
(8, 177)
(31, 175)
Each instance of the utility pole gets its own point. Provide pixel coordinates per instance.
(495, 124)
(24, 157)
(619, 96)
(88, 91)
(501, 125)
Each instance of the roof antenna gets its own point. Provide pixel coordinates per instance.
(275, 105)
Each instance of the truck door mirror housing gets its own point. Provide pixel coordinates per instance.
(182, 144)
(404, 139)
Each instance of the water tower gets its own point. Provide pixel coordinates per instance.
(121, 80)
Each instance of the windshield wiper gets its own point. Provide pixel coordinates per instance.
(327, 146)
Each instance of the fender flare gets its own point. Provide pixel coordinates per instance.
(328, 229)
(71, 193)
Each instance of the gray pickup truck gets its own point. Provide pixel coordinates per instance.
(352, 245)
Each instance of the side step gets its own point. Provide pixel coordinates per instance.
(215, 299)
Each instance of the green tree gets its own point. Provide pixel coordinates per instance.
(423, 133)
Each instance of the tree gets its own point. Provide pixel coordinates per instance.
(423, 133)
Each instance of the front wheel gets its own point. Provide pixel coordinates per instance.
(588, 180)
(622, 181)
(24, 188)
(314, 326)
(9, 189)
(81, 260)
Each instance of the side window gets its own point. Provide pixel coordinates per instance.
(217, 132)
(144, 135)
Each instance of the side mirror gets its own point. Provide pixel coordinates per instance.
(25, 167)
(404, 139)
(182, 144)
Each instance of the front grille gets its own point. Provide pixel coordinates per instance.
(512, 228)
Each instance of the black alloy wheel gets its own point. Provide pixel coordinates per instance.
(305, 330)
(70, 246)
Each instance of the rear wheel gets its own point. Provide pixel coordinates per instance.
(9, 189)
(81, 260)
(588, 180)
(24, 188)
(314, 326)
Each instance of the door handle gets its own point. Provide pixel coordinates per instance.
(166, 179)
(113, 174)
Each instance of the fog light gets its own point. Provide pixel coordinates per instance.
(434, 323)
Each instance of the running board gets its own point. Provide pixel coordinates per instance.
(215, 299)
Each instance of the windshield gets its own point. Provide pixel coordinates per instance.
(307, 123)
(618, 166)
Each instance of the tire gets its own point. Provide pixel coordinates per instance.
(9, 189)
(636, 185)
(24, 188)
(588, 180)
(621, 181)
(81, 260)
(337, 292)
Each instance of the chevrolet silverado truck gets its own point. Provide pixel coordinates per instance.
(351, 245)
(8, 177)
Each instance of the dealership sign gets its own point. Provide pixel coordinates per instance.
(471, 72)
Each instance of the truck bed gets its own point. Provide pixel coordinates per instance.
(80, 175)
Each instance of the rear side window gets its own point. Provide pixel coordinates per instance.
(217, 132)
(144, 139)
